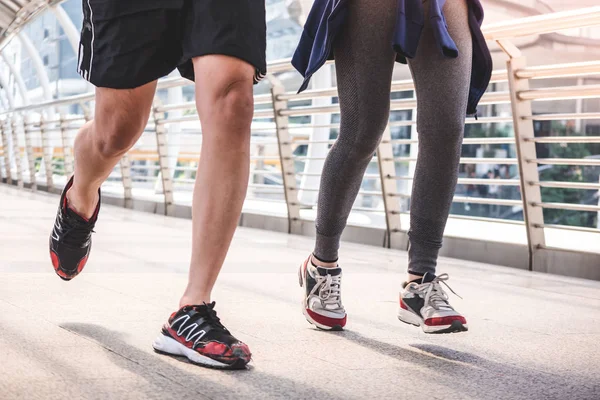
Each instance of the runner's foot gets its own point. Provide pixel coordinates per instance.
(71, 238)
(195, 332)
(322, 304)
(426, 305)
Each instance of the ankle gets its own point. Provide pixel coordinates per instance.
(324, 264)
(194, 297)
(82, 204)
(414, 277)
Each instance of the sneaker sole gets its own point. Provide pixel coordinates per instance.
(170, 347)
(318, 325)
(58, 267)
(410, 318)
(305, 312)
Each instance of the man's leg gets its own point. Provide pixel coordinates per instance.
(225, 106)
(224, 100)
(121, 116)
(224, 44)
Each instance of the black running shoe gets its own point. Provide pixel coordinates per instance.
(197, 333)
(71, 238)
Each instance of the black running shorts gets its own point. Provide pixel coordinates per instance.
(128, 43)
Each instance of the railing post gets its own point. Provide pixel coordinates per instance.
(46, 154)
(286, 157)
(67, 156)
(163, 157)
(319, 135)
(29, 152)
(125, 166)
(1, 145)
(6, 150)
(17, 151)
(526, 152)
(389, 190)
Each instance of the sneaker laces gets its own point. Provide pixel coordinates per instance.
(76, 232)
(329, 288)
(433, 292)
(208, 313)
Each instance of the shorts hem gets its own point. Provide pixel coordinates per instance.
(132, 84)
(260, 68)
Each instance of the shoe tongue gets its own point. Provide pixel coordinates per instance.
(428, 277)
(329, 271)
(202, 308)
(72, 214)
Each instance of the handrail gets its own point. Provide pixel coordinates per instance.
(560, 70)
(540, 24)
(276, 137)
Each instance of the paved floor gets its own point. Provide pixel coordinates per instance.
(531, 336)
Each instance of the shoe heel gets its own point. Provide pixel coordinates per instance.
(408, 317)
(166, 345)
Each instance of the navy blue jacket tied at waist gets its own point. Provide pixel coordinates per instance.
(327, 17)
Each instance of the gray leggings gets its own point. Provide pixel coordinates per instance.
(364, 64)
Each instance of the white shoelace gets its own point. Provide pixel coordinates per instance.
(329, 291)
(433, 292)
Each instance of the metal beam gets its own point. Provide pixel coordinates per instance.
(7, 90)
(391, 202)
(163, 160)
(18, 78)
(286, 157)
(16, 151)
(524, 133)
(37, 64)
(68, 27)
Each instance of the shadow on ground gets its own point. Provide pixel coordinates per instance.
(477, 376)
(250, 383)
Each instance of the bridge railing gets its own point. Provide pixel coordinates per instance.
(291, 134)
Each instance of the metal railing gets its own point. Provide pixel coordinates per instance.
(37, 146)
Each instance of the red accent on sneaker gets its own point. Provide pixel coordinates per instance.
(437, 321)
(242, 348)
(402, 305)
(55, 262)
(181, 340)
(62, 274)
(216, 349)
(81, 264)
(57, 269)
(327, 321)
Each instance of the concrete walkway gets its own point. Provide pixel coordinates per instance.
(531, 336)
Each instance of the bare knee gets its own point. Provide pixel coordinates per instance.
(121, 116)
(226, 109)
(236, 102)
(113, 137)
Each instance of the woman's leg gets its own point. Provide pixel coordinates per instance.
(442, 86)
(364, 65)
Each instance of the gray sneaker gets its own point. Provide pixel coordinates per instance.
(426, 305)
(322, 300)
